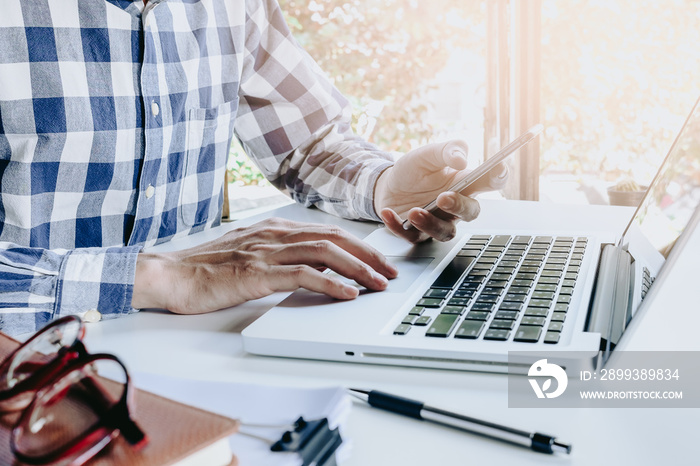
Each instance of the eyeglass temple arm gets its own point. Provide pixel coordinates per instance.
(113, 414)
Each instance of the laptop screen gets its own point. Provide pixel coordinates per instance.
(675, 192)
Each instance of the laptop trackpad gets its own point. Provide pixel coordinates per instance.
(410, 268)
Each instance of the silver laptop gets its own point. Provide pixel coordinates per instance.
(466, 303)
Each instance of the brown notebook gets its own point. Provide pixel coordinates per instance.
(177, 432)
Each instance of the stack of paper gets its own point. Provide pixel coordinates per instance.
(261, 405)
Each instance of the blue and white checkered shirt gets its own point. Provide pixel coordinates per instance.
(115, 124)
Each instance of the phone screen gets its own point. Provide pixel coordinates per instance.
(484, 168)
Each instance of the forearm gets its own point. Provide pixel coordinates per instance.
(336, 171)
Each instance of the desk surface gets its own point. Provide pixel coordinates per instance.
(209, 347)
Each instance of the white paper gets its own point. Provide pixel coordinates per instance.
(256, 404)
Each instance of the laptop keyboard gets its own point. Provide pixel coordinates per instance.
(502, 288)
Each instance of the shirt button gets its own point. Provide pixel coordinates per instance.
(155, 109)
(150, 191)
(91, 316)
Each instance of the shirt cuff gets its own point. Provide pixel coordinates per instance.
(363, 202)
(96, 283)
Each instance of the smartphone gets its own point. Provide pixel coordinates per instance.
(481, 170)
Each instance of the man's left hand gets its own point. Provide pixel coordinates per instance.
(419, 177)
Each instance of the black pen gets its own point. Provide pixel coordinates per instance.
(536, 441)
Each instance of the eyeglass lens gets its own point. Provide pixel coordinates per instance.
(39, 352)
(64, 413)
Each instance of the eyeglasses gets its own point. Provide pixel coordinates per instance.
(69, 412)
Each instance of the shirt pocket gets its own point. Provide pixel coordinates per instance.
(208, 137)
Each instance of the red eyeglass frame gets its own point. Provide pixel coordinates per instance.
(111, 421)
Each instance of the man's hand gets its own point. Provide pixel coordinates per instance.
(249, 263)
(422, 175)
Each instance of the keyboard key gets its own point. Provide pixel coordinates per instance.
(561, 307)
(429, 302)
(558, 255)
(512, 315)
(525, 276)
(464, 293)
(502, 323)
(500, 240)
(422, 320)
(402, 329)
(543, 295)
(556, 260)
(452, 273)
(552, 337)
(477, 273)
(458, 302)
(528, 333)
(545, 287)
(477, 315)
(532, 320)
(543, 239)
(532, 263)
(560, 250)
(525, 283)
(550, 266)
(555, 327)
(469, 329)
(505, 270)
(473, 253)
(442, 326)
(483, 306)
(558, 316)
(474, 279)
(416, 311)
(566, 290)
(508, 263)
(522, 239)
(500, 276)
(564, 299)
(469, 286)
(491, 290)
(497, 283)
(537, 311)
(568, 283)
(551, 273)
(540, 303)
(458, 310)
(507, 306)
(409, 319)
(480, 237)
(518, 290)
(548, 280)
(497, 334)
(515, 298)
(487, 298)
(436, 293)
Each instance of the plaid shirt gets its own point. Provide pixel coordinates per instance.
(115, 124)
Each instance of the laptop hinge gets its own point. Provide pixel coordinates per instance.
(611, 302)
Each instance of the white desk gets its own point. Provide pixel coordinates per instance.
(209, 347)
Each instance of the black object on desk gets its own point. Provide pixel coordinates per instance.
(533, 440)
(314, 441)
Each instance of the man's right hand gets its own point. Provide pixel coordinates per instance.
(252, 262)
